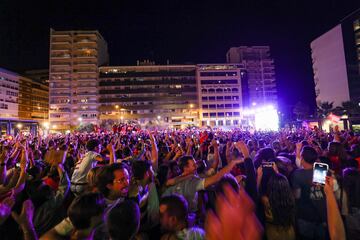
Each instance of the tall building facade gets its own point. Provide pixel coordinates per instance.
(336, 62)
(22, 100)
(259, 71)
(219, 94)
(75, 57)
(149, 93)
(9, 94)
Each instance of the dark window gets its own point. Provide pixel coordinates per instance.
(217, 74)
(205, 114)
(230, 81)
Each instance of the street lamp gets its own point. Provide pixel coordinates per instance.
(191, 105)
(19, 125)
(159, 117)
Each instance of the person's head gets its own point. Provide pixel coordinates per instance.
(93, 145)
(227, 179)
(87, 210)
(351, 183)
(355, 150)
(308, 156)
(123, 220)
(39, 192)
(265, 154)
(281, 200)
(113, 181)
(93, 177)
(142, 171)
(276, 146)
(187, 165)
(173, 213)
(336, 149)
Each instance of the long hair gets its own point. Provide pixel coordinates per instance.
(337, 150)
(282, 201)
(351, 184)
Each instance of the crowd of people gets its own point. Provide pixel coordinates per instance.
(130, 183)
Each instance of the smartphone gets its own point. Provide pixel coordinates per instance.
(179, 145)
(218, 142)
(139, 139)
(17, 165)
(319, 173)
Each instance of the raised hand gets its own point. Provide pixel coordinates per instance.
(241, 146)
(26, 215)
(235, 218)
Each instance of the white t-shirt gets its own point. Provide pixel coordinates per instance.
(83, 166)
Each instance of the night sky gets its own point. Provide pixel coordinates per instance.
(181, 31)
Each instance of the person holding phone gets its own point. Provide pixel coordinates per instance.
(310, 197)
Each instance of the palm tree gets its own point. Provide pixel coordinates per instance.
(324, 109)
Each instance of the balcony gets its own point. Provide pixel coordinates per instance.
(88, 63)
(60, 94)
(60, 56)
(86, 94)
(85, 71)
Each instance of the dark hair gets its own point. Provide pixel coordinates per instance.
(38, 192)
(139, 168)
(309, 154)
(351, 184)
(162, 174)
(84, 207)
(177, 206)
(227, 179)
(107, 177)
(92, 144)
(281, 200)
(265, 154)
(123, 220)
(183, 162)
(337, 149)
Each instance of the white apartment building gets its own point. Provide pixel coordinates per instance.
(219, 94)
(9, 93)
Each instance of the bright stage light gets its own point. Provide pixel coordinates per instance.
(267, 119)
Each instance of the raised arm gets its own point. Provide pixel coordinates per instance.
(4, 157)
(335, 223)
(154, 152)
(216, 155)
(215, 178)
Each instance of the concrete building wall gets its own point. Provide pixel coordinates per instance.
(219, 94)
(329, 66)
(9, 94)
